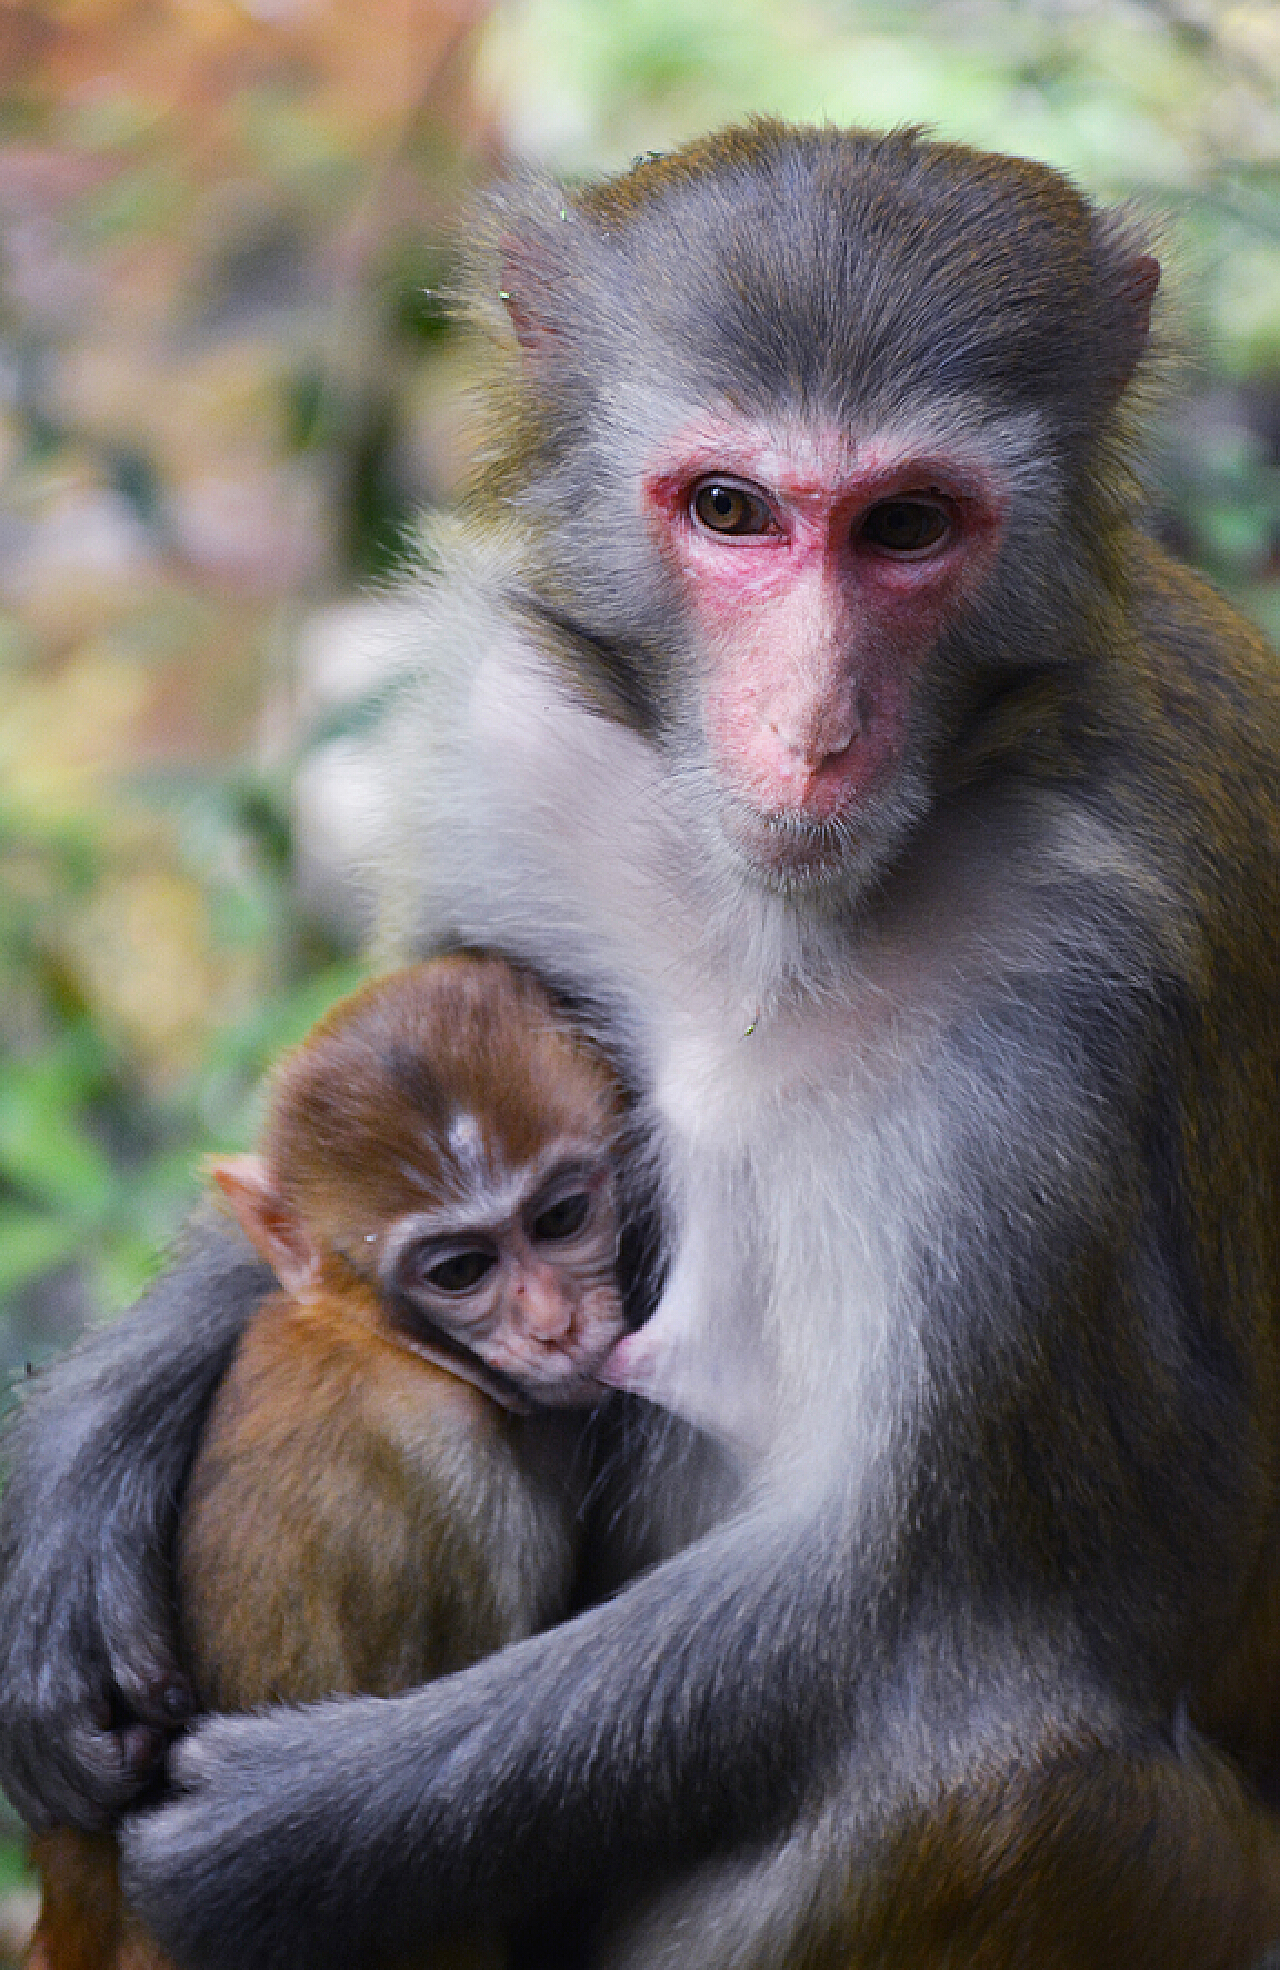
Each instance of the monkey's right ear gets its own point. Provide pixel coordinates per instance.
(540, 238)
(532, 332)
(1130, 275)
(268, 1221)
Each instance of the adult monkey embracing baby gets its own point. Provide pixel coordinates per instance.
(805, 694)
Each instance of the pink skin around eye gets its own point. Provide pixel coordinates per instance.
(816, 631)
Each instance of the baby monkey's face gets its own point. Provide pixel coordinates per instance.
(521, 1275)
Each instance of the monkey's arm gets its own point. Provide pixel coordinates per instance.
(326, 1835)
(976, 1568)
(96, 1457)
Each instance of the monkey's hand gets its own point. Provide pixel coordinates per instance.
(85, 1715)
(90, 1686)
(273, 1845)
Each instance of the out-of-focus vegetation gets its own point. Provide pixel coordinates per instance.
(219, 390)
(226, 379)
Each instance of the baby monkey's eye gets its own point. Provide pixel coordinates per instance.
(445, 1272)
(461, 1271)
(563, 1218)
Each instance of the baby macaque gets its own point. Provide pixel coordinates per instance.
(386, 1488)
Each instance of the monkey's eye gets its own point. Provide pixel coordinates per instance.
(563, 1219)
(445, 1272)
(462, 1272)
(725, 508)
(906, 526)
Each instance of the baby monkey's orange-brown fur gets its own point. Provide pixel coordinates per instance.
(361, 1516)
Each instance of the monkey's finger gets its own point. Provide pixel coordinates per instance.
(83, 1726)
(213, 1869)
(220, 1746)
(152, 1702)
(76, 1760)
(332, 1743)
(146, 1684)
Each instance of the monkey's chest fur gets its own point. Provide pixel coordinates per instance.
(358, 1520)
(781, 1072)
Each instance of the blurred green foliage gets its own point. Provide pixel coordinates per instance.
(97, 1158)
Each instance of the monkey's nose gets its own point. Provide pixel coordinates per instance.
(811, 779)
(817, 734)
(546, 1309)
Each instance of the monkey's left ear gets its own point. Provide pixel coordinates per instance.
(533, 332)
(1133, 280)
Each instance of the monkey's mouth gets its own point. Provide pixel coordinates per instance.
(790, 852)
(568, 1377)
(578, 1386)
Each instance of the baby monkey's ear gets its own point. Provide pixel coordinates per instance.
(270, 1223)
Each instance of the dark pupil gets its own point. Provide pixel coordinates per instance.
(461, 1272)
(904, 525)
(563, 1219)
(723, 508)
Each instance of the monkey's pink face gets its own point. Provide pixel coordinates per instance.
(820, 577)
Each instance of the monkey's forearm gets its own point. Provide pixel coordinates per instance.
(96, 1457)
(612, 1743)
(694, 1713)
(700, 1703)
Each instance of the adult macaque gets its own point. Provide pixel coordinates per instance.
(806, 695)
(388, 1487)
